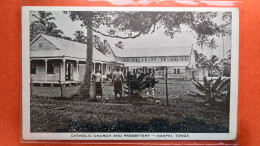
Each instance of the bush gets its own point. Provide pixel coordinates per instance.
(213, 91)
(137, 85)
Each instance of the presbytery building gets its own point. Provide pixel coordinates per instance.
(55, 59)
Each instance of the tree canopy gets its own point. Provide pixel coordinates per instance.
(133, 24)
(44, 25)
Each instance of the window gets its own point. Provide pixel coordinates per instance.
(174, 71)
(40, 45)
(50, 67)
(33, 67)
(178, 71)
(181, 58)
(161, 59)
(164, 59)
(185, 58)
(145, 59)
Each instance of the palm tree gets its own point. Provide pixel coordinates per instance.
(52, 30)
(43, 25)
(223, 31)
(211, 65)
(43, 17)
(201, 41)
(212, 45)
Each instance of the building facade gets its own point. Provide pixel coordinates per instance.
(180, 61)
(54, 59)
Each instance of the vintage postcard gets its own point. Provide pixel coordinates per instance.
(129, 73)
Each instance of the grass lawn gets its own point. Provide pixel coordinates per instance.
(185, 113)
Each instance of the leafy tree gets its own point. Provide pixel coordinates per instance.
(67, 38)
(135, 24)
(223, 31)
(36, 28)
(212, 45)
(79, 36)
(119, 45)
(52, 30)
(43, 25)
(229, 55)
(211, 65)
(212, 91)
(196, 55)
(43, 17)
(201, 59)
(226, 64)
(102, 46)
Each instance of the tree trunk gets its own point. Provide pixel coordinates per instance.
(223, 47)
(85, 87)
(203, 61)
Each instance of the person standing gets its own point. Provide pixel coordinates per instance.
(97, 79)
(117, 80)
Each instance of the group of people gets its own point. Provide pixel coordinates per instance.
(117, 81)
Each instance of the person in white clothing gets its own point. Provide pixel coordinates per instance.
(97, 79)
(117, 80)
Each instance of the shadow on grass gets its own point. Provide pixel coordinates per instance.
(188, 125)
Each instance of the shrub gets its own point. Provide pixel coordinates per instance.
(138, 84)
(213, 91)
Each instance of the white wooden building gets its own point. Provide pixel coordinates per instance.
(180, 61)
(53, 59)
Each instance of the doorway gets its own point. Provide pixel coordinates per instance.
(69, 71)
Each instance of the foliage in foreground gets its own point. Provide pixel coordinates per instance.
(213, 91)
(136, 85)
(189, 124)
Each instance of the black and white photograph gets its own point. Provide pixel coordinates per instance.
(100, 73)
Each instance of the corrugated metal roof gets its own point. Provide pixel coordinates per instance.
(155, 51)
(67, 48)
(154, 64)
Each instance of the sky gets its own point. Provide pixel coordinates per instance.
(156, 39)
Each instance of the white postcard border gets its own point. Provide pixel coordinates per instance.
(27, 135)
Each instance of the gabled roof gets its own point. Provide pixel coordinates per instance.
(154, 51)
(66, 48)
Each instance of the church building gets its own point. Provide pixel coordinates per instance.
(54, 59)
